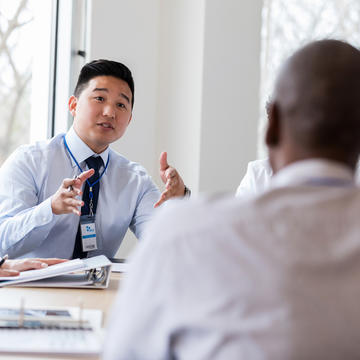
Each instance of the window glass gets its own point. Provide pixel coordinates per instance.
(21, 37)
(289, 24)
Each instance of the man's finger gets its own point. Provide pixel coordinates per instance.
(171, 183)
(160, 201)
(4, 272)
(68, 208)
(84, 175)
(34, 264)
(71, 193)
(74, 202)
(170, 173)
(163, 161)
(72, 209)
(51, 261)
(163, 197)
(76, 211)
(68, 182)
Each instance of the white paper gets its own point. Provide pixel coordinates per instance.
(53, 270)
(119, 267)
(56, 341)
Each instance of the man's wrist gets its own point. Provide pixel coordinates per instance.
(187, 192)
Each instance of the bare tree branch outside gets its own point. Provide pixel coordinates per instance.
(15, 75)
(289, 24)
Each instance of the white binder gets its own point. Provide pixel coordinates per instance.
(91, 273)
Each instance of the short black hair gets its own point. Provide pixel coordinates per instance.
(103, 67)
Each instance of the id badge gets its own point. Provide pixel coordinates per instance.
(88, 232)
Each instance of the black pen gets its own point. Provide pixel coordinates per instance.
(3, 259)
(70, 188)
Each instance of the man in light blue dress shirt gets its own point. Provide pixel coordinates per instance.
(41, 184)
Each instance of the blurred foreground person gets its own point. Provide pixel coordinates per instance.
(269, 277)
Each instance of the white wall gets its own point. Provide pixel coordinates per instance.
(127, 31)
(180, 64)
(230, 98)
(209, 89)
(196, 70)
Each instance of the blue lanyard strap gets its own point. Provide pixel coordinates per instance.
(329, 181)
(87, 180)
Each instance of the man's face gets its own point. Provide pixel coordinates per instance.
(102, 111)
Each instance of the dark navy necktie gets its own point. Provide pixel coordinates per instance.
(93, 163)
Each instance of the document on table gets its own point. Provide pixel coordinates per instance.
(53, 270)
(51, 331)
(119, 265)
(93, 272)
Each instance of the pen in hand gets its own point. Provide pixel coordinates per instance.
(70, 188)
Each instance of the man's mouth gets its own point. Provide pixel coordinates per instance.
(106, 125)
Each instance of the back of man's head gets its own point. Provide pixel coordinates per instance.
(104, 68)
(316, 102)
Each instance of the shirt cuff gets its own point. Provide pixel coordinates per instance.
(43, 213)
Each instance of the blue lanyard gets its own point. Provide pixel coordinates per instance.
(87, 180)
(329, 181)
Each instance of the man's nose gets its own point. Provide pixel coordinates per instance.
(109, 111)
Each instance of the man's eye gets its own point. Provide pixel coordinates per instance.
(121, 105)
(99, 98)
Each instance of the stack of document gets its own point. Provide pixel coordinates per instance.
(92, 272)
(119, 265)
(67, 331)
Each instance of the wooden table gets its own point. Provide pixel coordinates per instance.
(100, 299)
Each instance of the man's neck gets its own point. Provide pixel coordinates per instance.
(280, 159)
(95, 148)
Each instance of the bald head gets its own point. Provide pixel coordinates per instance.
(316, 103)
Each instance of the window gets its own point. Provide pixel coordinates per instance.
(71, 46)
(25, 35)
(289, 24)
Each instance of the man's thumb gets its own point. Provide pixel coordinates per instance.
(163, 161)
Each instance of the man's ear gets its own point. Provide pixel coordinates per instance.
(72, 105)
(272, 135)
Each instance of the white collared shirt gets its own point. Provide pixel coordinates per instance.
(256, 179)
(274, 276)
(33, 173)
(314, 171)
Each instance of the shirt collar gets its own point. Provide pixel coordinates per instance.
(80, 150)
(301, 172)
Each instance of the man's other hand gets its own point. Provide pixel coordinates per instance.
(13, 267)
(174, 185)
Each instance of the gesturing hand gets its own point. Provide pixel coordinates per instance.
(64, 201)
(174, 185)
